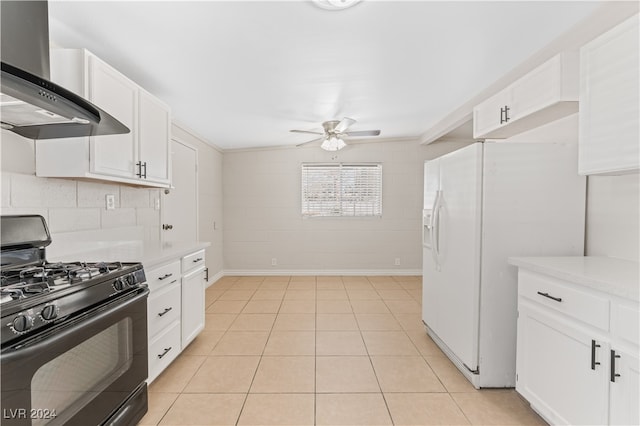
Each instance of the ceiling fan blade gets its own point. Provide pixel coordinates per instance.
(363, 133)
(311, 141)
(306, 131)
(343, 125)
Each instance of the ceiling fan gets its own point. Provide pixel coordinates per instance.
(334, 133)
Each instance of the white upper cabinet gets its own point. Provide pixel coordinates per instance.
(547, 93)
(609, 141)
(113, 154)
(154, 129)
(140, 157)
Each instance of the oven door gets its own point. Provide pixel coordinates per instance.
(87, 370)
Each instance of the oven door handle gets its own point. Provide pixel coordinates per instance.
(64, 331)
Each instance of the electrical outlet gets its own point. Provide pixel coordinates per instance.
(111, 201)
(397, 263)
(274, 262)
(156, 204)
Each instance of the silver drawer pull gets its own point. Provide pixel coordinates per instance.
(547, 295)
(165, 276)
(166, 310)
(197, 260)
(166, 351)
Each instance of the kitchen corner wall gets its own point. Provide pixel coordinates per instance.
(69, 204)
(263, 221)
(613, 202)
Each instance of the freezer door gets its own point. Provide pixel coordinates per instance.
(429, 277)
(458, 234)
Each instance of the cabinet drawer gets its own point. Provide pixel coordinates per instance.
(562, 297)
(164, 349)
(163, 275)
(625, 321)
(163, 308)
(192, 261)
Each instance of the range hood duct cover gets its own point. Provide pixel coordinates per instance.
(30, 104)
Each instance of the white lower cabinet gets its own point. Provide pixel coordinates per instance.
(165, 308)
(577, 352)
(175, 308)
(163, 350)
(192, 305)
(625, 391)
(553, 368)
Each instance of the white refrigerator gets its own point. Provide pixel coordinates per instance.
(482, 204)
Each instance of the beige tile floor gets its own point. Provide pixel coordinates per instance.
(321, 351)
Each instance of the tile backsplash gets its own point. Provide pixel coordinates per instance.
(77, 205)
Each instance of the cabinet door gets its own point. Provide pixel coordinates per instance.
(488, 115)
(153, 137)
(537, 90)
(624, 391)
(554, 368)
(113, 154)
(192, 305)
(609, 102)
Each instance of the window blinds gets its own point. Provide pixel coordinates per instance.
(342, 189)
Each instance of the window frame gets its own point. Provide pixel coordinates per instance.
(336, 203)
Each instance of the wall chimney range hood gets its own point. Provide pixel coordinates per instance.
(30, 104)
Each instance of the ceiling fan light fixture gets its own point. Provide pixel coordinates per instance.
(332, 143)
(335, 4)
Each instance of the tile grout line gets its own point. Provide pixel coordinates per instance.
(246, 397)
(373, 368)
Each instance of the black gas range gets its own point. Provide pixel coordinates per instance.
(37, 296)
(73, 334)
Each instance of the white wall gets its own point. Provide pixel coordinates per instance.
(69, 204)
(263, 220)
(210, 220)
(613, 216)
(613, 202)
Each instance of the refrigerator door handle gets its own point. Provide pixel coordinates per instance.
(435, 229)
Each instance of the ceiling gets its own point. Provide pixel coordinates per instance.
(242, 74)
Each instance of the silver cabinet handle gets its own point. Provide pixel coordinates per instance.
(197, 260)
(165, 276)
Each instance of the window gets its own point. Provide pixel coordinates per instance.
(342, 189)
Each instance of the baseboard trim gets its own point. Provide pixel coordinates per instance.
(320, 272)
(214, 278)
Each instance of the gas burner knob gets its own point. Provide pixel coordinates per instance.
(22, 323)
(119, 284)
(130, 279)
(49, 312)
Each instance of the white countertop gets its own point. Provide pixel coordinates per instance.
(610, 275)
(147, 252)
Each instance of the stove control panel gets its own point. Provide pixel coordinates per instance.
(126, 281)
(22, 323)
(49, 312)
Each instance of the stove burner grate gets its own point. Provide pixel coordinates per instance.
(22, 283)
